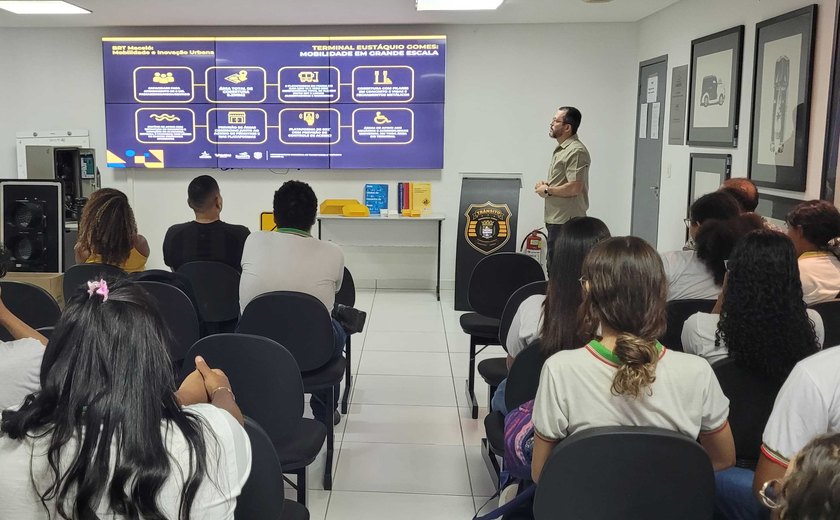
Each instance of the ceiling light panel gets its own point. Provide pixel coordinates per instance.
(41, 7)
(457, 5)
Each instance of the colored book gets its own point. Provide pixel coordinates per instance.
(376, 197)
(407, 196)
(400, 190)
(421, 197)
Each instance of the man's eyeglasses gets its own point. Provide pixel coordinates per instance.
(770, 492)
(559, 121)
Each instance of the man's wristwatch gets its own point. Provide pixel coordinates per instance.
(545, 190)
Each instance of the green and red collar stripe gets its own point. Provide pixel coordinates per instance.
(294, 231)
(597, 349)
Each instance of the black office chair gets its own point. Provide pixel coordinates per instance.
(302, 324)
(751, 397)
(32, 304)
(216, 289)
(830, 314)
(640, 472)
(678, 312)
(262, 496)
(77, 277)
(522, 382)
(493, 280)
(178, 313)
(513, 303)
(266, 381)
(347, 296)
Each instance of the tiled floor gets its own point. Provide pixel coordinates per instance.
(407, 448)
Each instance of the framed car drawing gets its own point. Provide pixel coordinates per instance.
(781, 104)
(715, 88)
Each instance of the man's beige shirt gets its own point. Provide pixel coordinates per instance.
(569, 163)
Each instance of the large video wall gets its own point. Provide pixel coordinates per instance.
(360, 102)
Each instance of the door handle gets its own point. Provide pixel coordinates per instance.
(655, 190)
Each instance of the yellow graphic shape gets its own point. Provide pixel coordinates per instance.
(238, 77)
(236, 118)
(112, 158)
(380, 119)
(308, 76)
(163, 78)
(164, 117)
(157, 154)
(309, 117)
(385, 79)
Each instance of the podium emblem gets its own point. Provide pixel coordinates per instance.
(487, 226)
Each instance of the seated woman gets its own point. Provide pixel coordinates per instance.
(107, 436)
(626, 377)
(810, 488)
(814, 227)
(553, 316)
(760, 318)
(691, 275)
(108, 233)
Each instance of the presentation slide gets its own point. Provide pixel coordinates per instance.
(344, 102)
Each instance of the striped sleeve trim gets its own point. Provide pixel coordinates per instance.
(774, 456)
(545, 437)
(718, 429)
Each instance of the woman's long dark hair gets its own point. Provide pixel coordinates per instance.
(717, 238)
(763, 321)
(563, 296)
(107, 382)
(107, 226)
(625, 290)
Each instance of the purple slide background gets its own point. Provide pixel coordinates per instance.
(424, 151)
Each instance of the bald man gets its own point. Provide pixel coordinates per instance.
(744, 191)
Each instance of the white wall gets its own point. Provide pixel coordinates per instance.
(504, 83)
(670, 32)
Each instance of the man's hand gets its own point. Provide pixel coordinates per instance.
(541, 190)
(539, 183)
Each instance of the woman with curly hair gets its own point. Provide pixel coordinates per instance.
(760, 319)
(625, 376)
(814, 227)
(108, 233)
(811, 488)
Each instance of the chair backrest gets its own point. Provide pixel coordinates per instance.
(496, 277)
(216, 289)
(261, 497)
(178, 313)
(513, 303)
(298, 321)
(830, 314)
(626, 472)
(32, 304)
(524, 376)
(78, 275)
(263, 375)
(347, 294)
(751, 397)
(678, 312)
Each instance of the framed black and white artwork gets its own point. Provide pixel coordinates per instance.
(774, 208)
(715, 88)
(706, 172)
(781, 104)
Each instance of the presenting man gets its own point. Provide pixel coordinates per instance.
(206, 237)
(291, 259)
(566, 192)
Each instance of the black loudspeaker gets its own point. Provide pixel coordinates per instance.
(32, 227)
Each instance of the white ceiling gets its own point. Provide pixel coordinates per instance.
(156, 13)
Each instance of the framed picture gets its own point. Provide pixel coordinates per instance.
(781, 104)
(774, 208)
(832, 134)
(715, 88)
(706, 172)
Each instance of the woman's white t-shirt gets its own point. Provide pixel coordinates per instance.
(820, 275)
(228, 467)
(574, 395)
(698, 335)
(526, 325)
(688, 277)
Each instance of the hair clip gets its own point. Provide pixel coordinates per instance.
(100, 288)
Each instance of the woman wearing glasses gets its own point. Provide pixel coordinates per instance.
(626, 377)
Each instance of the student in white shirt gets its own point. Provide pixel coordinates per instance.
(814, 227)
(760, 318)
(626, 377)
(689, 275)
(145, 450)
(20, 360)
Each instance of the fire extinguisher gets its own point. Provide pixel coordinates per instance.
(534, 245)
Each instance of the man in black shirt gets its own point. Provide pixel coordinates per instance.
(206, 237)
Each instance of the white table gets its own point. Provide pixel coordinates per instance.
(379, 220)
